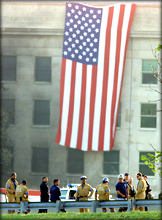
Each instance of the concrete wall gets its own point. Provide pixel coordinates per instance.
(36, 29)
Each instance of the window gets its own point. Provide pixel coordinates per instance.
(75, 161)
(143, 168)
(119, 117)
(148, 115)
(39, 160)
(8, 68)
(43, 69)
(111, 162)
(149, 67)
(41, 112)
(8, 110)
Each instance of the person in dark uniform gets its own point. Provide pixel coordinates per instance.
(148, 190)
(121, 189)
(44, 196)
(126, 178)
(55, 192)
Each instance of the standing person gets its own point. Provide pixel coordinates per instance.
(126, 180)
(126, 177)
(22, 196)
(103, 191)
(44, 196)
(55, 192)
(131, 189)
(148, 190)
(141, 190)
(82, 192)
(121, 189)
(11, 185)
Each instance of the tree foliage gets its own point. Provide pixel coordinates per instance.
(157, 55)
(153, 161)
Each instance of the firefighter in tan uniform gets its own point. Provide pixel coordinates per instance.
(22, 196)
(82, 193)
(103, 193)
(141, 190)
(11, 185)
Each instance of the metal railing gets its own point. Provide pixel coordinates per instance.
(92, 205)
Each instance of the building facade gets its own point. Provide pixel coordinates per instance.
(32, 39)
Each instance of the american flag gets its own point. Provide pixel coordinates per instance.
(94, 54)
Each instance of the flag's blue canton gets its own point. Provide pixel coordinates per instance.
(82, 31)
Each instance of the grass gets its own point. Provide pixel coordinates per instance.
(127, 215)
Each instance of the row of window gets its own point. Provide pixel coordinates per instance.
(43, 69)
(41, 113)
(112, 163)
(75, 162)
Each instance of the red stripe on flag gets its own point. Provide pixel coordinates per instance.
(63, 67)
(71, 105)
(82, 107)
(105, 80)
(128, 31)
(118, 46)
(92, 105)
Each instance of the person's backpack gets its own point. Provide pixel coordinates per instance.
(132, 191)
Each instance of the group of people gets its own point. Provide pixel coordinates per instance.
(55, 193)
(17, 193)
(124, 189)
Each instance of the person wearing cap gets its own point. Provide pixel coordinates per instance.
(141, 190)
(22, 196)
(11, 185)
(82, 193)
(103, 193)
(121, 189)
(148, 190)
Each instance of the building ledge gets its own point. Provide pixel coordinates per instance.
(148, 129)
(60, 32)
(32, 31)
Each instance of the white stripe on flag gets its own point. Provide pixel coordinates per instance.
(122, 52)
(78, 83)
(97, 110)
(65, 108)
(111, 76)
(87, 109)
